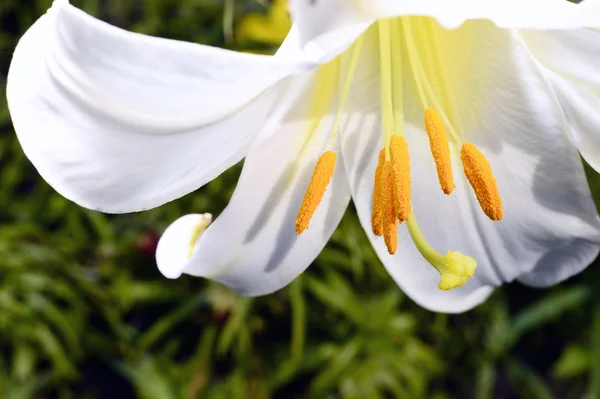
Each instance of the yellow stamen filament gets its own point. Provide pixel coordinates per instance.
(413, 58)
(424, 88)
(321, 101)
(390, 224)
(479, 173)
(397, 76)
(444, 82)
(401, 173)
(316, 189)
(377, 211)
(438, 141)
(386, 74)
(354, 58)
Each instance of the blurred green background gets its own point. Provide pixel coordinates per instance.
(84, 313)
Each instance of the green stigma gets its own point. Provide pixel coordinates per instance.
(455, 268)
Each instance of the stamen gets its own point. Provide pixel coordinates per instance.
(479, 173)
(421, 80)
(413, 59)
(438, 141)
(455, 268)
(401, 173)
(447, 92)
(316, 189)
(321, 102)
(390, 228)
(377, 211)
(354, 58)
(387, 107)
(397, 75)
(203, 223)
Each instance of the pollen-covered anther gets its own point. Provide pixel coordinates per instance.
(390, 222)
(458, 269)
(377, 211)
(401, 173)
(316, 189)
(438, 142)
(479, 173)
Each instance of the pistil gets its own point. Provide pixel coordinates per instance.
(455, 268)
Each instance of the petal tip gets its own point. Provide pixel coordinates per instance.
(60, 3)
(175, 248)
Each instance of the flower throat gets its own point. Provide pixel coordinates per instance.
(392, 181)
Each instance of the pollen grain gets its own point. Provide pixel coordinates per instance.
(316, 189)
(438, 142)
(401, 174)
(390, 222)
(479, 173)
(377, 211)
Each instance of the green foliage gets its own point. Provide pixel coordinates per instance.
(85, 314)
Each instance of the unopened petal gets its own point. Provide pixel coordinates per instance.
(177, 244)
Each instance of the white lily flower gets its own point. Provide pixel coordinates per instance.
(122, 122)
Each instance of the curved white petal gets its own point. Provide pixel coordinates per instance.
(498, 101)
(574, 256)
(121, 122)
(252, 246)
(571, 63)
(319, 51)
(322, 20)
(178, 242)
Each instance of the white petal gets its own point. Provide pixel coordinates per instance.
(252, 246)
(571, 63)
(508, 111)
(320, 21)
(177, 243)
(120, 122)
(571, 259)
(318, 51)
